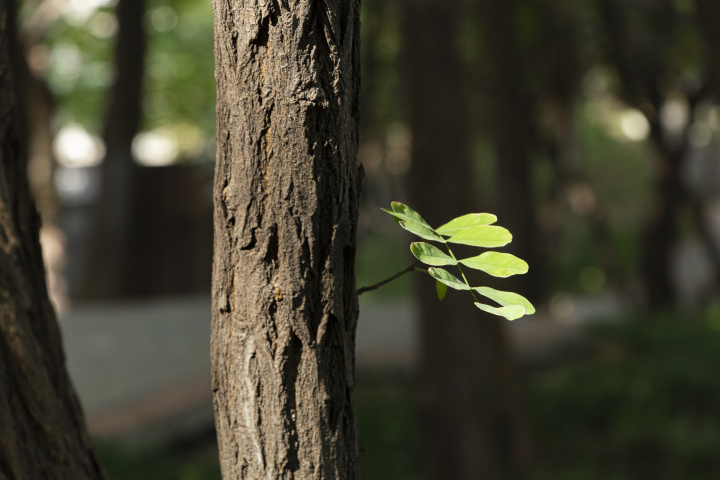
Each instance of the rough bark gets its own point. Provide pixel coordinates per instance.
(512, 139)
(471, 419)
(286, 192)
(108, 269)
(42, 429)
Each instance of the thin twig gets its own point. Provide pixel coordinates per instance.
(388, 280)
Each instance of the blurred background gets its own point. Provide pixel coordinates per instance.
(590, 127)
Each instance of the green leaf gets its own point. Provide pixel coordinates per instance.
(441, 289)
(465, 222)
(430, 254)
(506, 299)
(497, 264)
(482, 236)
(402, 212)
(511, 313)
(422, 231)
(447, 278)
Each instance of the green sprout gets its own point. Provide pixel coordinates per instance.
(474, 229)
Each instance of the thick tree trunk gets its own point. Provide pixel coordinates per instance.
(42, 432)
(512, 139)
(287, 191)
(469, 405)
(109, 265)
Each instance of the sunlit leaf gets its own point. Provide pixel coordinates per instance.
(402, 212)
(422, 231)
(511, 313)
(465, 222)
(431, 255)
(482, 236)
(497, 264)
(448, 279)
(441, 289)
(506, 299)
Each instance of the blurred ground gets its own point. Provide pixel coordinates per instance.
(637, 400)
(143, 369)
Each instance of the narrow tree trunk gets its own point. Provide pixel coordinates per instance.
(511, 124)
(42, 431)
(108, 269)
(287, 191)
(709, 20)
(660, 236)
(640, 73)
(471, 417)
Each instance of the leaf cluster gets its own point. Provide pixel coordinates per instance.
(477, 230)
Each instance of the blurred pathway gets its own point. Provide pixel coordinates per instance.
(143, 364)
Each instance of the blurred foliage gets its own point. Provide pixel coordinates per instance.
(122, 463)
(388, 430)
(378, 257)
(565, 59)
(643, 403)
(180, 85)
(179, 90)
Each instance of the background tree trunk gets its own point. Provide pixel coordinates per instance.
(709, 20)
(287, 193)
(640, 69)
(42, 429)
(512, 139)
(469, 405)
(109, 266)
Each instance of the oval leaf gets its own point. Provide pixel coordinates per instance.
(447, 278)
(511, 313)
(441, 289)
(465, 222)
(402, 212)
(482, 236)
(431, 255)
(497, 264)
(506, 299)
(422, 231)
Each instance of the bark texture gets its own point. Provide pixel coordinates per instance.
(42, 431)
(287, 191)
(109, 268)
(471, 418)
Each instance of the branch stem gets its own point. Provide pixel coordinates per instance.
(411, 268)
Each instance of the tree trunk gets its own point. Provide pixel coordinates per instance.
(709, 20)
(287, 193)
(512, 139)
(38, 111)
(640, 71)
(469, 405)
(109, 265)
(42, 429)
